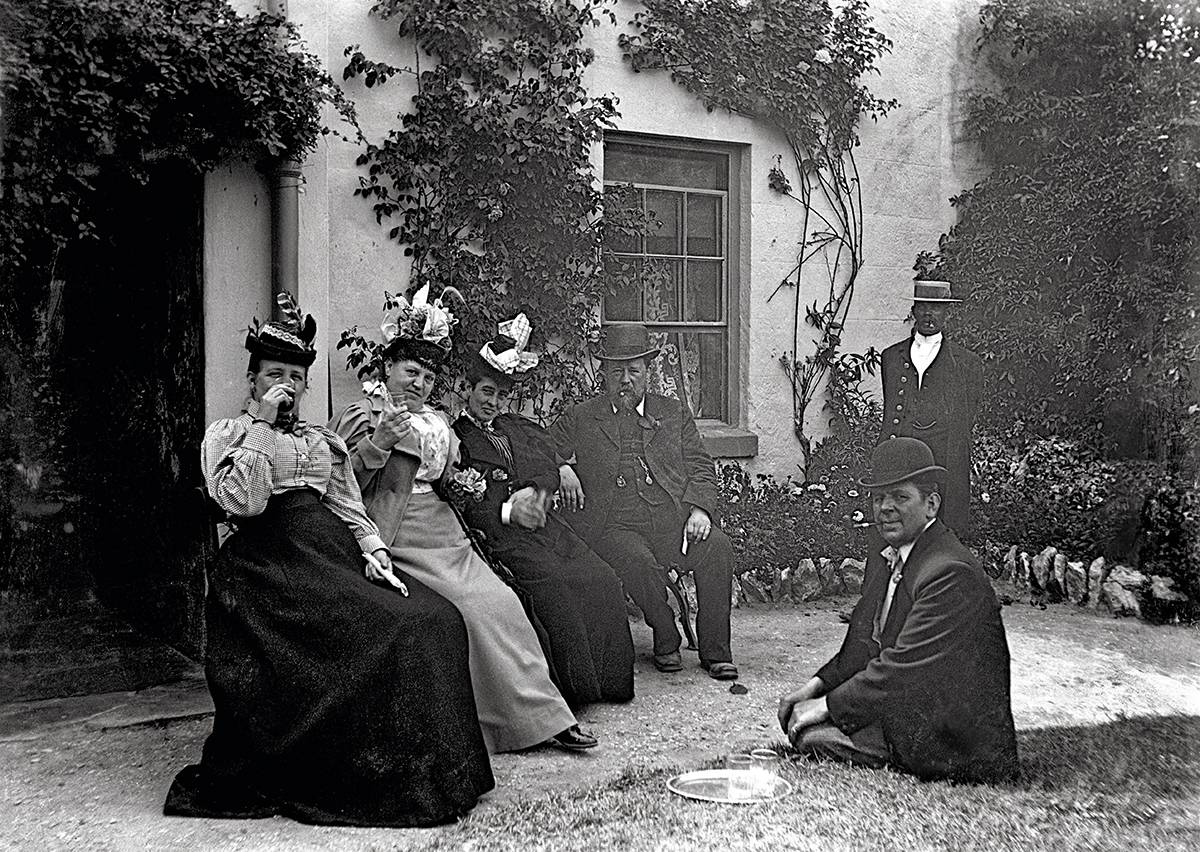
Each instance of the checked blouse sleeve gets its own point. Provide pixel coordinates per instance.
(237, 457)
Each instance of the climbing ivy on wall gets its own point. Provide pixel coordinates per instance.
(94, 93)
(110, 86)
(1078, 252)
(485, 182)
(797, 65)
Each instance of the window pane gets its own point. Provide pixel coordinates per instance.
(704, 225)
(702, 302)
(624, 304)
(667, 209)
(630, 163)
(620, 203)
(691, 367)
(661, 280)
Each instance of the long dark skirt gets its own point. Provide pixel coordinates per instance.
(338, 701)
(579, 602)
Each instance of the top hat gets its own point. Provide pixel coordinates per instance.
(288, 339)
(898, 460)
(625, 342)
(933, 291)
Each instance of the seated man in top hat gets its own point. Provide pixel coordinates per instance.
(922, 679)
(642, 490)
(573, 592)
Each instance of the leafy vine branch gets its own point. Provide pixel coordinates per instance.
(486, 180)
(797, 65)
(97, 95)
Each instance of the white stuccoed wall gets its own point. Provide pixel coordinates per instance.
(910, 164)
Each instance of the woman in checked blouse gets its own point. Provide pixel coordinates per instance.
(342, 690)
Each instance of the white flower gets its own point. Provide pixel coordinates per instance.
(816, 486)
(437, 326)
(823, 55)
(856, 516)
(985, 497)
(851, 493)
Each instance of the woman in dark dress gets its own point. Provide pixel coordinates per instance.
(574, 593)
(343, 694)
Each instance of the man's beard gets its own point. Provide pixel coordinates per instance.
(625, 401)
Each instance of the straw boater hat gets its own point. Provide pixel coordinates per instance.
(288, 339)
(625, 342)
(899, 460)
(933, 291)
(503, 359)
(420, 331)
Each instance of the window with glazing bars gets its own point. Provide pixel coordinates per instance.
(679, 268)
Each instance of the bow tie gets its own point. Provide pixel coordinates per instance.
(291, 425)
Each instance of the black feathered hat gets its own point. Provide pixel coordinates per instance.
(288, 339)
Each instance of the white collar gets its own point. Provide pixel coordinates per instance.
(932, 340)
(485, 426)
(641, 407)
(904, 549)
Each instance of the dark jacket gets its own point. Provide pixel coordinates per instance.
(941, 413)
(675, 455)
(533, 455)
(938, 679)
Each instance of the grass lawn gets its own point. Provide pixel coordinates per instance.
(1128, 784)
(1108, 722)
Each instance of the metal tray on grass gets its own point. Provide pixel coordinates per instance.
(721, 785)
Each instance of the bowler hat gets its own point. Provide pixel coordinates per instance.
(899, 460)
(933, 291)
(625, 342)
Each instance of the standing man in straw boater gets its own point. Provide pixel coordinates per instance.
(932, 388)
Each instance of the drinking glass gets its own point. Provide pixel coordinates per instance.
(765, 763)
(741, 778)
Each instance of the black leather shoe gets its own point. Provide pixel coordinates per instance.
(720, 671)
(670, 662)
(573, 739)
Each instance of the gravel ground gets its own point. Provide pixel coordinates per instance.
(82, 787)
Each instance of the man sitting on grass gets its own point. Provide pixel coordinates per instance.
(922, 679)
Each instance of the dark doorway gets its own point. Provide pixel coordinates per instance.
(132, 352)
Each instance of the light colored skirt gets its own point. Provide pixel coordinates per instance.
(518, 705)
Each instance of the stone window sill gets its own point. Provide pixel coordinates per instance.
(727, 442)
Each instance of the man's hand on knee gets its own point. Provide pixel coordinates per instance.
(698, 525)
(806, 714)
(570, 489)
(813, 689)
